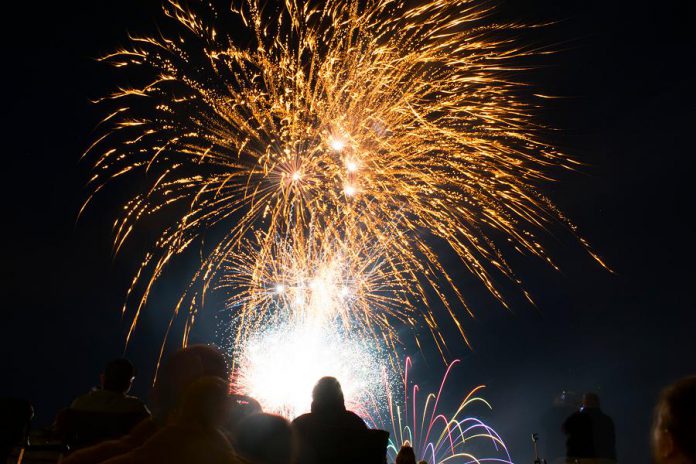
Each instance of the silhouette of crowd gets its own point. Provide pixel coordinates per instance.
(194, 418)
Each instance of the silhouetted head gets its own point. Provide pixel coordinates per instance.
(118, 376)
(674, 424)
(241, 406)
(265, 439)
(327, 395)
(406, 454)
(206, 403)
(590, 400)
(180, 370)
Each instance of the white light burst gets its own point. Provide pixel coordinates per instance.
(279, 366)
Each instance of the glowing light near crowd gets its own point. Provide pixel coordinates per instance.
(280, 365)
(305, 314)
(368, 122)
(436, 437)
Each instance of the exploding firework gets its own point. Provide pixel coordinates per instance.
(436, 437)
(280, 364)
(327, 282)
(307, 312)
(372, 123)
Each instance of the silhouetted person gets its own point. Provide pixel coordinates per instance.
(328, 409)
(105, 412)
(180, 371)
(552, 442)
(329, 433)
(241, 407)
(406, 454)
(195, 436)
(674, 424)
(590, 434)
(177, 373)
(112, 394)
(265, 439)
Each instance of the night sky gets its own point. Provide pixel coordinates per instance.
(628, 115)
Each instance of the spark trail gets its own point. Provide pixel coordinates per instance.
(339, 134)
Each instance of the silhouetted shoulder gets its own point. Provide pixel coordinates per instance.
(570, 421)
(302, 420)
(353, 420)
(110, 402)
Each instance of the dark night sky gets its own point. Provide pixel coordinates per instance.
(629, 116)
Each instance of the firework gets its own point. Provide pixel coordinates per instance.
(307, 312)
(280, 364)
(368, 122)
(327, 281)
(435, 436)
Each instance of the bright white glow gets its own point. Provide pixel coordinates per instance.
(349, 190)
(280, 361)
(337, 144)
(280, 288)
(296, 176)
(351, 166)
(280, 365)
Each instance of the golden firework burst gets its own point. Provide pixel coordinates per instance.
(317, 130)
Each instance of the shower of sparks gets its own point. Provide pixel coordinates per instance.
(279, 365)
(330, 127)
(437, 438)
(325, 281)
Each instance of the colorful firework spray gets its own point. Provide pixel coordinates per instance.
(435, 436)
